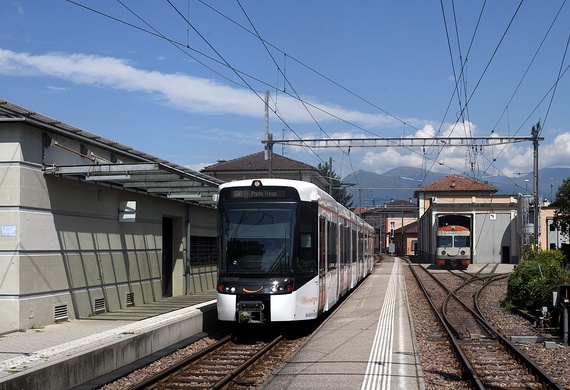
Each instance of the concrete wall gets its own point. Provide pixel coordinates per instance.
(63, 249)
(493, 238)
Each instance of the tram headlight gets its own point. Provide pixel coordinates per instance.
(222, 288)
(284, 288)
(462, 252)
(443, 252)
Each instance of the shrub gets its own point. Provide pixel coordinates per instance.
(531, 285)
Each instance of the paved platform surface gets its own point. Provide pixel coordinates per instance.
(368, 343)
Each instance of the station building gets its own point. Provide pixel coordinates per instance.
(89, 225)
(458, 200)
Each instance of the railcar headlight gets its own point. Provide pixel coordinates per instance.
(281, 288)
(222, 288)
(443, 252)
(462, 252)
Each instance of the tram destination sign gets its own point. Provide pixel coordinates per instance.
(261, 193)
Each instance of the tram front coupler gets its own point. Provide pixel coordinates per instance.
(250, 312)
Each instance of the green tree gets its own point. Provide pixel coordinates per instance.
(562, 204)
(336, 189)
(562, 213)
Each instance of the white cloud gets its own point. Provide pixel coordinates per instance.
(56, 89)
(198, 167)
(183, 91)
(19, 8)
(556, 154)
(389, 158)
(208, 96)
(180, 90)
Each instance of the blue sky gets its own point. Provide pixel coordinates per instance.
(184, 80)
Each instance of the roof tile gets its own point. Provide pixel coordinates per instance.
(457, 183)
(257, 162)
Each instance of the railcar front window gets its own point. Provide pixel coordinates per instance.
(256, 239)
(444, 241)
(462, 241)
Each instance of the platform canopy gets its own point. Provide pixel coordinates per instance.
(152, 178)
(122, 166)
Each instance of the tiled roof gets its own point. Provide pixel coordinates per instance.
(457, 183)
(257, 162)
(411, 228)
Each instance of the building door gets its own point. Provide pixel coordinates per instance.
(505, 254)
(167, 266)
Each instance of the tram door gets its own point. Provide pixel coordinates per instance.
(321, 268)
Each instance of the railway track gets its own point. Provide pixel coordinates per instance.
(215, 367)
(489, 359)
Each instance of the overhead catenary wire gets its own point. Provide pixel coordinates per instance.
(235, 70)
(286, 81)
(284, 89)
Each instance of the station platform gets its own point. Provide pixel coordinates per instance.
(70, 354)
(368, 342)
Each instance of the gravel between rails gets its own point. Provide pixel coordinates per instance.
(438, 363)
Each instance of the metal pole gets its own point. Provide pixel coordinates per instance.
(330, 176)
(268, 136)
(565, 322)
(403, 246)
(535, 131)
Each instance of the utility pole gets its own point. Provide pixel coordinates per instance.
(535, 132)
(330, 176)
(268, 136)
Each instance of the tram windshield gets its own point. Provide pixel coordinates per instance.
(256, 238)
(453, 241)
(461, 241)
(444, 241)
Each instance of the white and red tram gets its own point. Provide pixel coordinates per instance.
(288, 251)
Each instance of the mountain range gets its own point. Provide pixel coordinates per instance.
(369, 189)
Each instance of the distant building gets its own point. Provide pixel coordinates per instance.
(457, 200)
(550, 237)
(396, 227)
(256, 166)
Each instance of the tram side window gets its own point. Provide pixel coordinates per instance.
(331, 245)
(354, 246)
(307, 231)
(346, 249)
